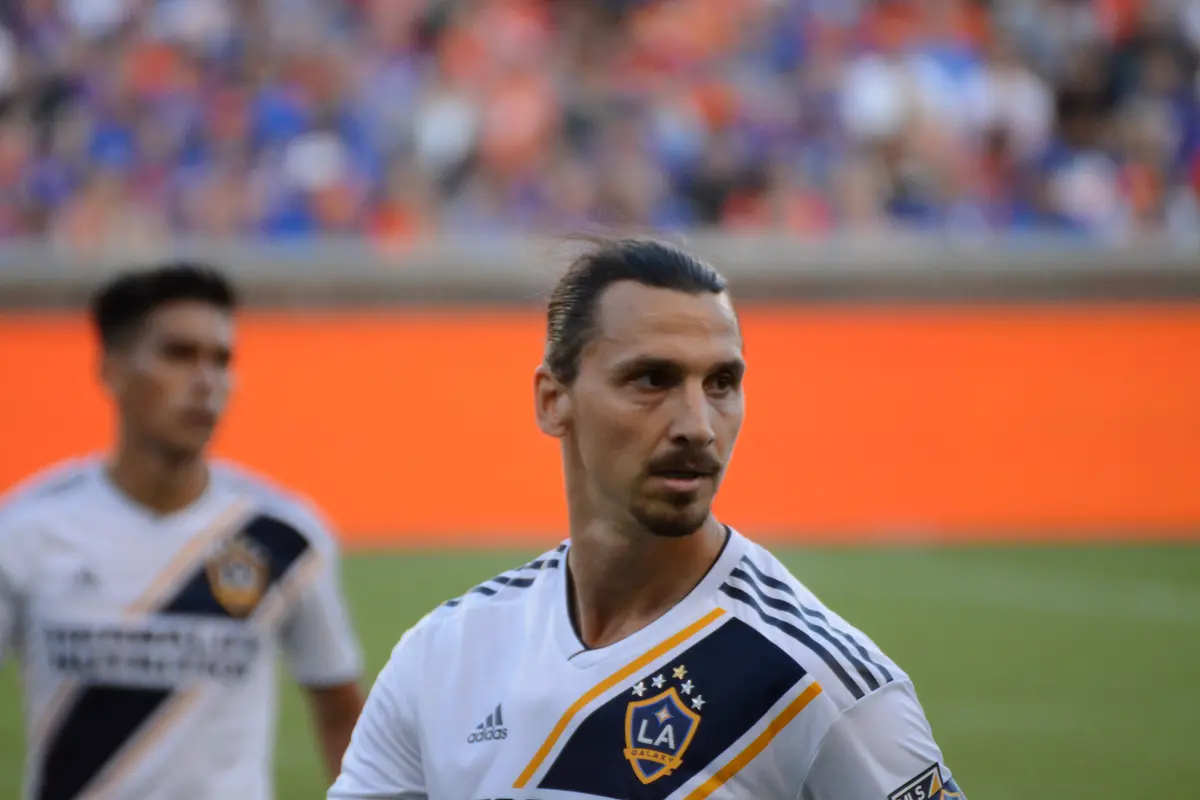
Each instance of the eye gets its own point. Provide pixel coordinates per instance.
(652, 380)
(723, 382)
(178, 351)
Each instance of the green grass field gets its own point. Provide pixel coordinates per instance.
(1047, 673)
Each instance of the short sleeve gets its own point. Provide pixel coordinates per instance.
(319, 644)
(12, 563)
(10, 617)
(881, 748)
(383, 761)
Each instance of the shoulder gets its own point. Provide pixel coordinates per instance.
(274, 501)
(764, 594)
(28, 508)
(508, 585)
(45, 485)
(465, 636)
(45, 491)
(490, 608)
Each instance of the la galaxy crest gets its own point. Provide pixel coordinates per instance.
(238, 574)
(660, 723)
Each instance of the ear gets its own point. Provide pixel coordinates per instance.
(552, 402)
(111, 372)
(115, 370)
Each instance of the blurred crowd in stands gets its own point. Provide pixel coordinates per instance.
(134, 120)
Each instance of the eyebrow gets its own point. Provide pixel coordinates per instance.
(184, 343)
(737, 366)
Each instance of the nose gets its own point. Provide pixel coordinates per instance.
(691, 423)
(206, 379)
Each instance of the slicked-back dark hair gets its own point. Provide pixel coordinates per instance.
(121, 305)
(571, 314)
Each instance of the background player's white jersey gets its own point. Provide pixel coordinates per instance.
(749, 688)
(148, 642)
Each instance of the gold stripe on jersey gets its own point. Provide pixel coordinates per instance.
(78, 754)
(51, 714)
(752, 751)
(621, 675)
(179, 567)
(299, 577)
(126, 759)
(266, 614)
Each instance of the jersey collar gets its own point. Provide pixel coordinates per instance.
(701, 600)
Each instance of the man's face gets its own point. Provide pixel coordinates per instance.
(172, 381)
(657, 404)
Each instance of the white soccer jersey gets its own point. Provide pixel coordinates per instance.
(147, 642)
(749, 688)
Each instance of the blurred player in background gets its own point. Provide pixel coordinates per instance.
(148, 592)
(657, 653)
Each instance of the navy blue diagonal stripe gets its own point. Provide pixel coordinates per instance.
(735, 675)
(104, 718)
(783, 605)
(779, 585)
(800, 636)
(282, 545)
(100, 723)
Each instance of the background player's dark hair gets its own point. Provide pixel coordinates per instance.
(121, 305)
(570, 317)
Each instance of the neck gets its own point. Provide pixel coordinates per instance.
(160, 482)
(622, 582)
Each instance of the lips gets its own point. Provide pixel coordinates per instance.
(685, 468)
(681, 482)
(682, 474)
(199, 416)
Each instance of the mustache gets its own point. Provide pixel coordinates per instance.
(701, 462)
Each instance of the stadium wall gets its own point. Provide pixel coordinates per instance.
(866, 422)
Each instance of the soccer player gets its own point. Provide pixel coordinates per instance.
(148, 592)
(657, 653)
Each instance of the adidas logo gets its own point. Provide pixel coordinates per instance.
(491, 728)
(84, 578)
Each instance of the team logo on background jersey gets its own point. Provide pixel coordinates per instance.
(239, 576)
(929, 785)
(659, 728)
